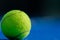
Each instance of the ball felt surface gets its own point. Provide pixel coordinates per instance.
(16, 24)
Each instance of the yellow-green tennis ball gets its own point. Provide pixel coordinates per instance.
(16, 24)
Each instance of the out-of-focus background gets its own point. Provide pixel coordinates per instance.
(44, 14)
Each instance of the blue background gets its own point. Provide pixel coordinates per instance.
(43, 28)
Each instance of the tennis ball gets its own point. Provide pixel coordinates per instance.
(16, 24)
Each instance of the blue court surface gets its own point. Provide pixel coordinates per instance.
(43, 28)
